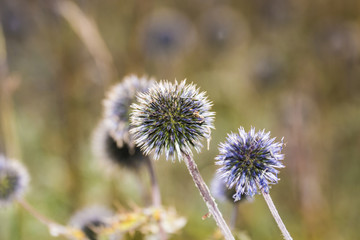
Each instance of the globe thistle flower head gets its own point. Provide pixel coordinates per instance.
(90, 220)
(106, 148)
(14, 180)
(117, 106)
(171, 118)
(250, 161)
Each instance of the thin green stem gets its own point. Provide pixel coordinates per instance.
(276, 216)
(208, 199)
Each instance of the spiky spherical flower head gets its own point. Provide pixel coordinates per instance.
(90, 220)
(117, 106)
(249, 161)
(106, 148)
(171, 118)
(14, 180)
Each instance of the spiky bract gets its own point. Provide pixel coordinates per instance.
(117, 106)
(14, 180)
(171, 118)
(107, 149)
(249, 160)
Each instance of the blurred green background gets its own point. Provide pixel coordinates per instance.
(291, 67)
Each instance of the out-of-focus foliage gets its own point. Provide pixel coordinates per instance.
(292, 67)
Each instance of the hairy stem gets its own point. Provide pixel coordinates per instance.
(208, 199)
(276, 216)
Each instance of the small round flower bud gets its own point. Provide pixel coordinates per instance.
(171, 118)
(249, 160)
(14, 180)
(106, 148)
(117, 106)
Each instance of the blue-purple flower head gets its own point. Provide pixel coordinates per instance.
(249, 161)
(117, 106)
(14, 180)
(171, 118)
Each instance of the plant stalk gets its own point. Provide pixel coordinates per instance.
(155, 194)
(155, 190)
(234, 216)
(35, 213)
(276, 216)
(208, 199)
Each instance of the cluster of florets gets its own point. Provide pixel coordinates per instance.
(14, 180)
(171, 118)
(249, 160)
(117, 106)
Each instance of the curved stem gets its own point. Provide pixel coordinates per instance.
(35, 213)
(208, 199)
(276, 216)
(89, 34)
(55, 229)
